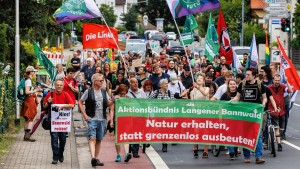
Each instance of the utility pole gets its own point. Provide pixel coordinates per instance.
(242, 34)
(17, 63)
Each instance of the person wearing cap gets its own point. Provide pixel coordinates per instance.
(29, 106)
(157, 76)
(164, 60)
(176, 87)
(186, 77)
(210, 84)
(87, 71)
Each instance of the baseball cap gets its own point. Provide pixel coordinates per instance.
(186, 68)
(31, 69)
(173, 78)
(162, 56)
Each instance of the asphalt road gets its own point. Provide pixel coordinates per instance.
(181, 156)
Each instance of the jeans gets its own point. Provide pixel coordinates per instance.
(58, 142)
(135, 148)
(258, 150)
(231, 150)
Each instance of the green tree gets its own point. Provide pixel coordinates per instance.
(4, 49)
(296, 41)
(130, 19)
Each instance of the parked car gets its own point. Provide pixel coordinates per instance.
(196, 37)
(240, 50)
(174, 47)
(137, 46)
(124, 35)
(171, 35)
(162, 39)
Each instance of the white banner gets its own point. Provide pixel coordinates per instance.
(60, 120)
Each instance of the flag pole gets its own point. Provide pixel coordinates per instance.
(184, 48)
(115, 42)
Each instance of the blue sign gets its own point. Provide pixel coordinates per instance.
(275, 21)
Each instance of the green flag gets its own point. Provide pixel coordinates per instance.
(212, 45)
(44, 61)
(187, 33)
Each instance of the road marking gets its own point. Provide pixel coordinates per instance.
(296, 104)
(292, 145)
(156, 160)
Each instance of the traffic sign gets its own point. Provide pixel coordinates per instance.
(275, 1)
(267, 16)
(275, 9)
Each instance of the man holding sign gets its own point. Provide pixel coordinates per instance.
(63, 101)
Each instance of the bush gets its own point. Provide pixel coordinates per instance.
(4, 49)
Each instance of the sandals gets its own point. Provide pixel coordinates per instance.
(205, 155)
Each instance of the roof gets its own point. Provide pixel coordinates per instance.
(120, 2)
(257, 4)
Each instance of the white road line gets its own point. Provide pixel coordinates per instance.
(292, 145)
(296, 104)
(156, 160)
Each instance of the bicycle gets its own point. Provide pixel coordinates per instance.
(271, 134)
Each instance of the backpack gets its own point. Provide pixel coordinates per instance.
(21, 90)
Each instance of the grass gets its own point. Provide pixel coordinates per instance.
(8, 138)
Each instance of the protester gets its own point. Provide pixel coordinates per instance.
(222, 65)
(135, 92)
(58, 139)
(70, 84)
(186, 77)
(96, 102)
(222, 89)
(122, 93)
(142, 75)
(200, 92)
(163, 93)
(245, 58)
(171, 69)
(120, 80)
(278, 117)
(29, 106)
(230, 94)
(176, 87)
(75, 61)
(157, 76)
(148, 87)
(60, 71)
(256, 91)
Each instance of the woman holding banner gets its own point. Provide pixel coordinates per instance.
(122, 91)
(163, 93)
(200, 92)
(230, 94)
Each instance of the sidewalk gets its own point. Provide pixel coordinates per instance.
(38, 155)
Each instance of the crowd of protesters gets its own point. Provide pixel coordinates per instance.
(160, 76)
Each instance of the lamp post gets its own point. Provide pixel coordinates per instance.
(17, 63)
(242, 34)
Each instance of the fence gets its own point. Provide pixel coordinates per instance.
(7, 103)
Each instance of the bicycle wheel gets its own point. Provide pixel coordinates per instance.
(215, 149)
(272, 141)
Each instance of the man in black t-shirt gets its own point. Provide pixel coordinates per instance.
(75, 61)
(253, 92)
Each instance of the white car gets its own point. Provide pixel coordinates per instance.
(240, 50)
(171, 35)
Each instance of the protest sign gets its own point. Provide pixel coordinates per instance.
(188, 122)
(137, 62)
(60, 120)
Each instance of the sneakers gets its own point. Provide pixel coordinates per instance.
(127, 157)
(260, 161)
(135, 155)
(118, 158)
(247, 160)
(54, 161)
(232, 156)
(205, 155)
(164, 147)
(279, 147)
(27, 137)
(96, 162)
(61, 159)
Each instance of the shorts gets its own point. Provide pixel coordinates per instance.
(278, 121)
(96, 129)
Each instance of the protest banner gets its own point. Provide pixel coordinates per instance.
(137, 62)
(188, 122)
(60, 120)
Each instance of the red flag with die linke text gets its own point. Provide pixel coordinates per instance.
(188, 122)
(98, 36)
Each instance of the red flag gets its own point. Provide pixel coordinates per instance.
(98, 36)
(289, 69)
(225, 45)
